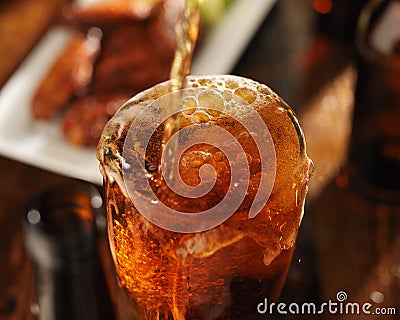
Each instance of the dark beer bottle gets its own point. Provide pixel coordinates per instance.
(61, 237)
(375, 144)
(356, 220)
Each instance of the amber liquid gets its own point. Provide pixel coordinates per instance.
(227, 271)
(186, 36)
(227, 278)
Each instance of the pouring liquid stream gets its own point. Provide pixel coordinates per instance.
(186, 36)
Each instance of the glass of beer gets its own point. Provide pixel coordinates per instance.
(202, 224)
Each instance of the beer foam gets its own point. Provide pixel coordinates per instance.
(227, 95)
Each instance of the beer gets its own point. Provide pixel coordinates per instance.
(179, 265)
(187, 31)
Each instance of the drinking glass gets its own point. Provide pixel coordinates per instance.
(206, 231)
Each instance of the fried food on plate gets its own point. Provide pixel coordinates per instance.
(119, 48)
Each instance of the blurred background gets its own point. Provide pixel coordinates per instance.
(346, 98)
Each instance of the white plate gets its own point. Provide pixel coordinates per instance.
(41, 144)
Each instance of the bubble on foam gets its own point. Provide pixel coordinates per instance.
(195, 159)
(246, 94)
(219, 156)
(211, 100)
(190, 105)
(200, 117)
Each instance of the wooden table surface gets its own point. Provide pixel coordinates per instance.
(311, 69)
